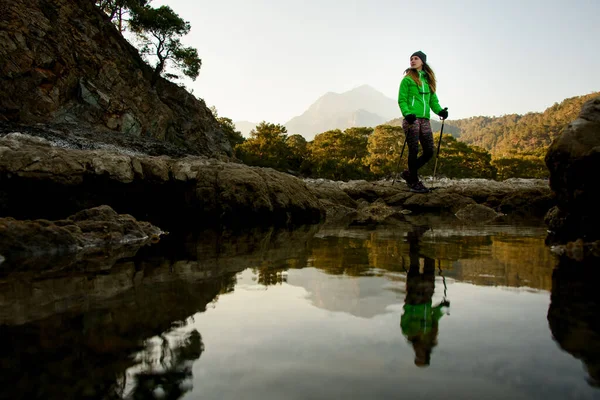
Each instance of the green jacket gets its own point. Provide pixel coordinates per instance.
(418, 100)
(420, 318)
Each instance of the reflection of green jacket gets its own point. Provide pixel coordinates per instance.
(417, 99)
(419, 318)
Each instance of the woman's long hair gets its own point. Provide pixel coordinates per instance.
(429, 74)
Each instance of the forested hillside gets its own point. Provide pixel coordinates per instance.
(528, 134)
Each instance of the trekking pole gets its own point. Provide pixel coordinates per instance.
(438, 149)
(399, 160)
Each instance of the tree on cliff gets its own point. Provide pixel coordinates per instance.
(117, 10)
(160, 30)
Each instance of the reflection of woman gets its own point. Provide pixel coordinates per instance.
(419, 321)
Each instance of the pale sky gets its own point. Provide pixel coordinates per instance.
(271, 59)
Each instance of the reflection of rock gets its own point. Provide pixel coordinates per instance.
(573, 160)
(71, 335)
(27, 296)
(83, 354)
(573, 313)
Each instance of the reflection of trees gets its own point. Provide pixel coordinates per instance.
(166, 367)
(271, 276)
(573, 313)
(497, 258)
(84, 353)
(419, 321)
(340, 255)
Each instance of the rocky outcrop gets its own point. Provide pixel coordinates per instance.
(96, 231)
(62, 61)
(39, 179)
(573, 160)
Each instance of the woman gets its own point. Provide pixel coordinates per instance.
(416, 97)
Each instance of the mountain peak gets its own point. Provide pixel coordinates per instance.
(360, 106)
(365, 88)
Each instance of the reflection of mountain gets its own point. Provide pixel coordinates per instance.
(573, 313)
(483, 255)
(360, 296)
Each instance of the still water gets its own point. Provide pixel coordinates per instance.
(429, 309)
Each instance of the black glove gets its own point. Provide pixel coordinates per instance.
(410, 118)
(444, 113)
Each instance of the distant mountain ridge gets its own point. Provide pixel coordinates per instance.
(361, 106)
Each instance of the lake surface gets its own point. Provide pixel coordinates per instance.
(429, 309)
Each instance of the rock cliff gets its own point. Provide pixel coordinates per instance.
(63, 62)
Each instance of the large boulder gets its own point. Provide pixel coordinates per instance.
(63, 61)
(574, 160)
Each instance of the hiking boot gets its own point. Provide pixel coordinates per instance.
(418, 187)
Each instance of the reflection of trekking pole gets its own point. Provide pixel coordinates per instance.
(444, 301)
(439, 145)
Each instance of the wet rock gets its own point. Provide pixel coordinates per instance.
(578, 250)
(85, 232)
(376, 213)
(573, 160)
(477, 213)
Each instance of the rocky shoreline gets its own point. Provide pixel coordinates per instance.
(44, 179)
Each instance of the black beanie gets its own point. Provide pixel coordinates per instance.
(421, 55)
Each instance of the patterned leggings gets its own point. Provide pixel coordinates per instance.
(420, 131)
